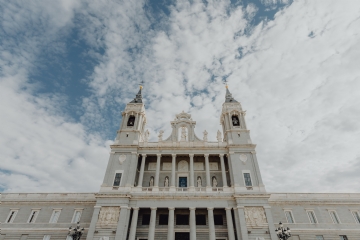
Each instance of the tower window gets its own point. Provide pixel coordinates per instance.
(182, 219)
(163, 219)
(201, 219)
(145, 219)
(218, 220)
(235, 120)
(117, 179)
(247, 180)
(131, 120)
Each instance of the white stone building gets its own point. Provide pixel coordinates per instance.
(181, 187)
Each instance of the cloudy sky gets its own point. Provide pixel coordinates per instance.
(67, 69)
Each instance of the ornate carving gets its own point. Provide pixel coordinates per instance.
(183, 134)
(167, 166)
(122, 159)
(214, 166)
(255, 216)
(109, 215)
(243, 158)
(218, 136)
(146, 136)
(161, 135)
(205, 136)
(183, 166)
(199, 166)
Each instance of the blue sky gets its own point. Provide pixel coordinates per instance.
(67, 69)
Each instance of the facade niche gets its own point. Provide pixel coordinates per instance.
(131, 121)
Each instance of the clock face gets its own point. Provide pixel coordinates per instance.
(243, 158)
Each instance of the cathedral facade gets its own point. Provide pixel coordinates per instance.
(181, 187)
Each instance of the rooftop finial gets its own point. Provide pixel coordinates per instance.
(228, 95)
(141, 84)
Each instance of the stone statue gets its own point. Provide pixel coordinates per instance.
(160, 135)
(205, 136)
(166, 183)
(183, 134)
(218, 136)
(146, 136)
(199, 182)
(214, 182)
(151, 183)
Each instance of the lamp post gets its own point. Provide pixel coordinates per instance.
(76, 232)
(282, 232)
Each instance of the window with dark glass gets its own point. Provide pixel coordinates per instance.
(131, 120)
(145, 219)
(182, 219)
(200, 219)
(163, 219)
(117, 179)
(247, 179)
(235, 120)
(218, 219)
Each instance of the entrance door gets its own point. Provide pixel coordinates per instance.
(182, 236)
(182, 181)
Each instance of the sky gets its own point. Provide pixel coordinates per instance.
(68, 68)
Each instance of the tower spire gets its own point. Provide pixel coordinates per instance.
(228, 96)
(138, 98)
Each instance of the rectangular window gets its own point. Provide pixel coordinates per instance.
(55, 216)
(33, 216)
(182, 219)
(289, 217)
(76, 217)
(311, 215)
(145, 219)
(200, 219)
(343, 237)
(334, 217)
(247, 179)
(218, 220)
(356, 216)
(46, 237)
(11, 216)
(117, 179)
(163, 219)
(319, 237)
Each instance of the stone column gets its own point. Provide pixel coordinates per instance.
(191, 171)
(230, 225)
(237, 223)
(192, 224)
(134, 223)
(151, 235)
(157, 174)
(270, 222)
(211, 224)
(173, 165)
(122, 226)
(207, 168)
(142, 167)
(243, 228)
(224, 179)
(171, 223)
(94, 219)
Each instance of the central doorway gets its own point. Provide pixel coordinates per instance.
(182, 236)
(182, 181)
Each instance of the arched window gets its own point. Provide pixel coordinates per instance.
(131, 120)
(235, 120)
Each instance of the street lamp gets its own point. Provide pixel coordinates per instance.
(282, 232)
(76, 232)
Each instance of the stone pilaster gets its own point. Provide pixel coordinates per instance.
(223, 173)
(212, 235)
(134, 223)
(230, 225)
(122, 227)
(243, 228)
(191, 171)
(207, 168)
(171, 223)
(270, 222)
(173, 165)
(142, 168)
(157, 174)
(94, 219)
(151, 235)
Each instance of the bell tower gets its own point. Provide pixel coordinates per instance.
(233, 121)
(133, 122)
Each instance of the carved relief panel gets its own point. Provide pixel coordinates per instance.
(108, 216)
(183, 166)
(255, 216)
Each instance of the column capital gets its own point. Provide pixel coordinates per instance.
(221, 155)
(158, 155)
(268, 207)
(134, 153)
(206, 155)
(136, 208)
(192, 208)
(240, 207)
(253, 152)
(173, 155)
(171, 208)
(153, 208)
(210, 208)
(191, 155)
(97, 206)
(228, 208)
(143, 155)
